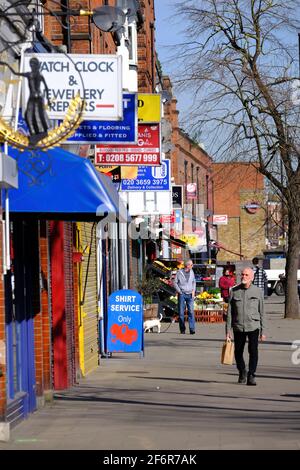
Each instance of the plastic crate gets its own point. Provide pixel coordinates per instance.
(208, 316)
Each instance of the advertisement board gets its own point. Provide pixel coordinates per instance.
(150, 179)
(125, 322)
(145, 152)
(220, 219)
(177, 196)
(149, 107)
(97, 78)
(98, 132)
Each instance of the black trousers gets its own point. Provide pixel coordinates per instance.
(239, 345)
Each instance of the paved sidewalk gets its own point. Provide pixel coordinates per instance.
(178, 397)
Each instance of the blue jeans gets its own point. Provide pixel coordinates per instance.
(189, 301)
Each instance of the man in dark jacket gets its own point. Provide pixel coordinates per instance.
(246, 318)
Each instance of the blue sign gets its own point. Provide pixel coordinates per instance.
(150, 178)
(125, 322)
(98, 132)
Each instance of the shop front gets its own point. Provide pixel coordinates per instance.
(43, 292)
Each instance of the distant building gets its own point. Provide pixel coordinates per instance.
(239, 193)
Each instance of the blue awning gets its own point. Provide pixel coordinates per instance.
(57, 184)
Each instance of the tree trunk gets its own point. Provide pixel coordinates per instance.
(292, 261)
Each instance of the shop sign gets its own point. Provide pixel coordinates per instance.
(149, 107)
(150, 179)
(191, 191)
(125, 322)
(114, 172)
(194, 240)
(220, 219)
(178, 216)
(145, 152)
(97, 132)
(252, 207)
(96, 78)
(177, 196)
(167, 219)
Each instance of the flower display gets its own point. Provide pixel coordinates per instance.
(212, 297)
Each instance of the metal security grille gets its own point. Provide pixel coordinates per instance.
(89, 304)
(69, 299)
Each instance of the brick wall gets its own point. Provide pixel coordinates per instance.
(236, 184)
(44, 257)
(146, 49)
(85, 36)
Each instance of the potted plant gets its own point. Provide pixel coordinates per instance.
(147, 287)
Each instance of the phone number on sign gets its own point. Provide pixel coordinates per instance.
(127, 158)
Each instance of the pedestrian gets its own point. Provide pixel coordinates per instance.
(246, 318)
(260, 277)
(185, 285)
(226, 282)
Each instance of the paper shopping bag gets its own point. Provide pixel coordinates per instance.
(227, 352)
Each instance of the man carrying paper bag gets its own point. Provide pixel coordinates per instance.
(247, 320)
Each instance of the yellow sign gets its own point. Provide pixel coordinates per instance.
(192, 240)
(149, 107)
(127, 172)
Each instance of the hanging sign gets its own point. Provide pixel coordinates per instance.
(149, 107)
(146, 152)
(149, 179)
(97, 132)
(177, 196)
(97, 79)
(191, 191)
(220, 219)
(125, 322)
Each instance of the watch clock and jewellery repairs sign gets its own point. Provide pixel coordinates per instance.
(145, 152)
(96, 78)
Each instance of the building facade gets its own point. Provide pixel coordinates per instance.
(239, 194)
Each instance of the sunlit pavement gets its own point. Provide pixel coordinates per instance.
(178, 396)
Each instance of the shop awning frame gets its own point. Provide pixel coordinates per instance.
(58, 185)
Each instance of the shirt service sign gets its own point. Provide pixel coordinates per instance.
(125, 322)
(97, 78)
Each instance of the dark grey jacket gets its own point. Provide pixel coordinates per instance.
(246, 309)
(183, 286)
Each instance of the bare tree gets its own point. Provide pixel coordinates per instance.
(242, 67)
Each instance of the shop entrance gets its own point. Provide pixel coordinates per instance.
(21, 304)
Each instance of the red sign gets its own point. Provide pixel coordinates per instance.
(252, 207)
(191, 191)
(167, 219)
(220, 219)
(145, 152)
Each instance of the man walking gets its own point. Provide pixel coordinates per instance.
(185, 285)
(260, 277)
(246, 318)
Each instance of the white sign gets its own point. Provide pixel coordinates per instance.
(149, 203)
(220, 219)
(97, 78)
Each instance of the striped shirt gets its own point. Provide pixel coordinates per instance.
(260, 277)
